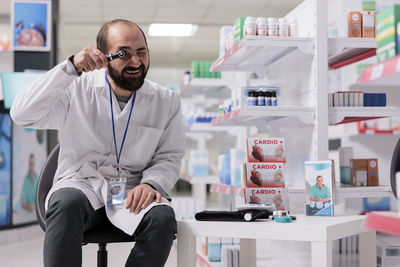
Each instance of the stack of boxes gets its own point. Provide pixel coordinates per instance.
(356, 99)
(364, 172)
(264, 179)
(361, 24)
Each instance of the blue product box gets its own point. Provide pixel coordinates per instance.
(372, 204)
(375, 100)
(367, 100)
(382, 100)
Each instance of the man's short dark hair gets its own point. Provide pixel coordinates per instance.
(101, 39)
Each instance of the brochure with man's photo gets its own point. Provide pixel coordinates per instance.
(319, 197)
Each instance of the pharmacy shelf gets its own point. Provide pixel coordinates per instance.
(203, 86)
(340, 115)
(387, 222)
(208, 127)
(247, 115)
(348, 191)
(345, 51)
(227, 189)
(253, 52)
(212, 179)
(386, 73)
(343, 192)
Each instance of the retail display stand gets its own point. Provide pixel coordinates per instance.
(300, 67)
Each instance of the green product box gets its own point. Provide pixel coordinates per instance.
(208, 66)
(386, 24)
(368, 5)
(238, 29)
(195, 69)
(203, 69)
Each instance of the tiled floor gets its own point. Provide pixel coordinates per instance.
(29, 252)
(23, 247)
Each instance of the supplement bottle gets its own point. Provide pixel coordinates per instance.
(272, 27)
(251, 99)
(261, 26)
(261, 98)
(268, 98)
(274, 101)
(283, 27)
(250, 26)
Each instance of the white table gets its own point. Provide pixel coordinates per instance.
(320, 231)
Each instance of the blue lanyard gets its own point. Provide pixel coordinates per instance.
(118, 155)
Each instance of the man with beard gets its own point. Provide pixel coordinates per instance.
(116, 130)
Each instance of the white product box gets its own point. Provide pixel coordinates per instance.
(265, 175)
(341, 99)
(346, 99)
(267, 195)
(330, 100)
(361, 99)
(336, 99)
(266, 149)
(223, 46)
(351, 99)
(356, 99)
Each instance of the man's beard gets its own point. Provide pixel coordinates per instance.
(130, 84)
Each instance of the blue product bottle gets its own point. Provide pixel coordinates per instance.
(268, 98)
(274, 101)
(251, 98)
(261, 98)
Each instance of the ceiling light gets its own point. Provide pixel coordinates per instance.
(169, 29)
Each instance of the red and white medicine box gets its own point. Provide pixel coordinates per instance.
(265, 175)
(266, 149)
(267, 195)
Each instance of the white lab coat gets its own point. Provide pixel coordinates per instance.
(79, 108)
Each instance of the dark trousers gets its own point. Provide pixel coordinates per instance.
(69, 215)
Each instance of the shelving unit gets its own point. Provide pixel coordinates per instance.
(247, 114)
(208, 127)
(339, 115)
(260, 51)
(203, 86)
(343, 192)
(256, 54)
(213, 179)
(344, 51)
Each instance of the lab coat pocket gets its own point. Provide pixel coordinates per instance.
(146, 142)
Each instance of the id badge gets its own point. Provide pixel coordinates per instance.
(116, 190)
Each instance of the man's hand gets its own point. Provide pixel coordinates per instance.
(140, 197)
(89, 59)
